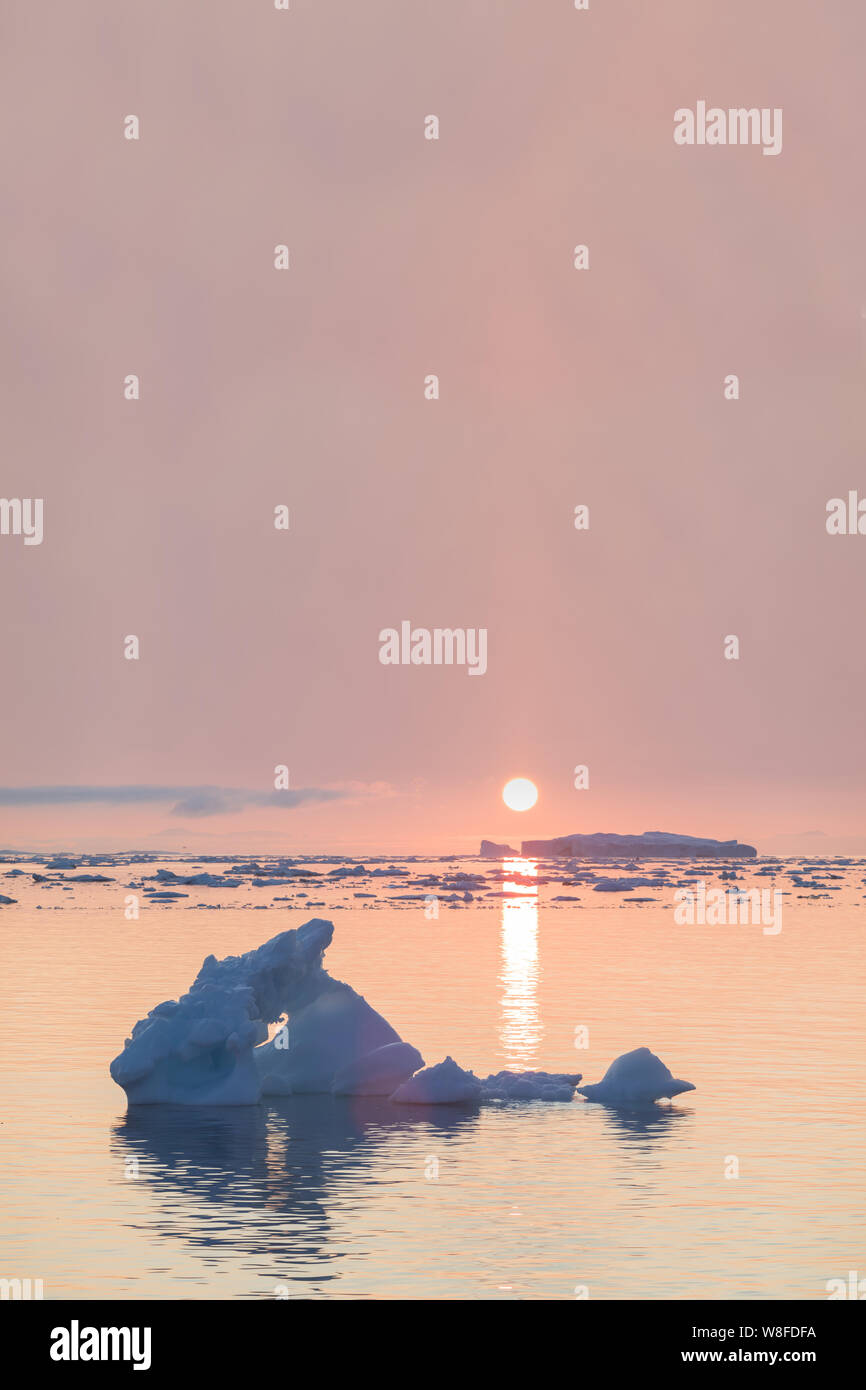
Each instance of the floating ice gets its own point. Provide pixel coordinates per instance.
(444, 1084)
(379, 1072)
(623, 885)
(635, 1079)
(210, 1046)
(530, 1085)
(652, 844)
(448, 1084)
(491, 850)
(330, 1027)
(199, 1050)
(197, 880)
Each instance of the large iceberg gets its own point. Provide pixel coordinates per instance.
(330, 1028)
(210, 1046)
(378, 1073)
(652, 844)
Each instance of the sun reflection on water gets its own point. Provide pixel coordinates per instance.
(520, 1028)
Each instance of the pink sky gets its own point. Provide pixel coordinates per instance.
(559, 387)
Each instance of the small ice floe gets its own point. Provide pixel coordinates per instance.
(197, 880)
(530, 1085)
(444, 1084)
(622, 885)
(449, 1084)
(636, 1079)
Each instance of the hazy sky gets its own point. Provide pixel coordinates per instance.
(306, 387)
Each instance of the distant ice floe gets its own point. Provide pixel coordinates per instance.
(198, 880)
(623, 885)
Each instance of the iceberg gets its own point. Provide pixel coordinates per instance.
(210, 1046)
(379, 1072)
(330, 1027)
(636, 1079)
(491, 850)
(652, 844)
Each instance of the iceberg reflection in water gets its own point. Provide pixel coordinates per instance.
(274, 1181)
(292, 1190)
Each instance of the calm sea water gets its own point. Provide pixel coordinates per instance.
(322, 1197)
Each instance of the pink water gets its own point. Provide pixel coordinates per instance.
(325, 1197)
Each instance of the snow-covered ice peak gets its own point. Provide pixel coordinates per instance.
(198, 1050)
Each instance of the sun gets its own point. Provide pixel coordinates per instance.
(520, 794)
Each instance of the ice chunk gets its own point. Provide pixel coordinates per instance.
(635, 1079)
(491, 850)
(530, 1085)
(210, 1047)
(198, 1050)
(329, 1028)
(197, 880)
(622, 885)
(444, 1084)
(379, 1072)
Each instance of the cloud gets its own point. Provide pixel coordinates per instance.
(188, 802)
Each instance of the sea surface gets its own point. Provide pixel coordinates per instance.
(750, 1187)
